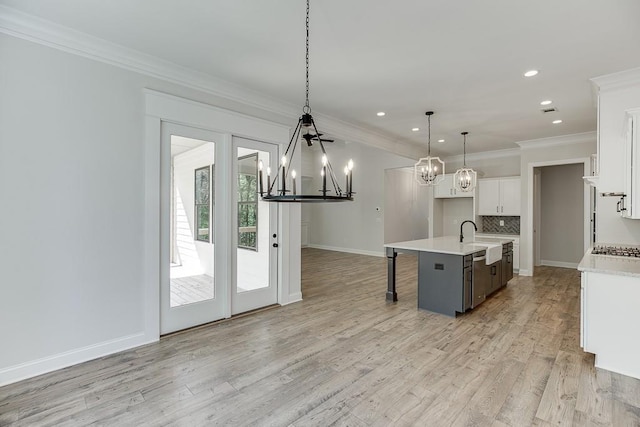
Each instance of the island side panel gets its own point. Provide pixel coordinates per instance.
(391, 295)
(441, 283)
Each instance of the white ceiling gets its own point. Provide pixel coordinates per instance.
(462, 59)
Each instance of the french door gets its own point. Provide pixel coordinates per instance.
(217, 253)
(254, 283)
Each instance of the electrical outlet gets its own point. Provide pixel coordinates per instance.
(502, 223)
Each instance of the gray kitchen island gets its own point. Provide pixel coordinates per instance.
(453, 277)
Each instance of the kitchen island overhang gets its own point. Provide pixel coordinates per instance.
(446, 270)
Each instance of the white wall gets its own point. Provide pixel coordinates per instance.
(72, 172)
(489, 165)
(561, 215)
(405, 206)
(454, 211)
(353, 226)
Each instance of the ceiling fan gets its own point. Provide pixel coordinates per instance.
(309, 137)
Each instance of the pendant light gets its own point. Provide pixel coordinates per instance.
(306, 130)
(429, 170)
(465, 178)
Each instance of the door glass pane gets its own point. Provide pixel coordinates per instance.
(253, 224)
(192, 206)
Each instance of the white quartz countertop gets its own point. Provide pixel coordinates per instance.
(448, 245)
(607, 264)
(506, 236)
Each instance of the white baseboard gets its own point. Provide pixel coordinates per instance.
(37, 367)
(558, 264)
(348, 250)
(525, 272)
(297, 297)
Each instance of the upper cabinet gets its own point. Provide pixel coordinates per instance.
(618, 94)
(631, 203)
(499, 196)
(446, 190)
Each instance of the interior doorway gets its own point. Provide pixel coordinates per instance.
(561, 214)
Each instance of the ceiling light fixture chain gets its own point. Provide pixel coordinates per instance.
(307, 108)
(429, 140)
(464, 149)
(331, 190)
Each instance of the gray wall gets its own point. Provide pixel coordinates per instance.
(352, 226)
(405, 206)
(561, 214)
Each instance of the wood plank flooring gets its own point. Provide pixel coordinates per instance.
(345, 357)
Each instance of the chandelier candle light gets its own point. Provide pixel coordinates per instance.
(465, 178)
(306, 129)
(429, 170)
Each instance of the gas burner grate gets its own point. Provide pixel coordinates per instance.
(616, 251)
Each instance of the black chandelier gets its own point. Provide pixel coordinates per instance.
(307, 130)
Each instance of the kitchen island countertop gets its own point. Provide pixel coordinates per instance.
(448, 245)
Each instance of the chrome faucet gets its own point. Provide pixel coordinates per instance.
(463, 223)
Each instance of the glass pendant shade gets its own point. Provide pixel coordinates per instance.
(429, 171)
(465, 179)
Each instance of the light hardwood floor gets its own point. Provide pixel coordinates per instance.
(344, 356)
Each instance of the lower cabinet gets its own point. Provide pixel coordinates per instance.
(496, 277)
(609, 319)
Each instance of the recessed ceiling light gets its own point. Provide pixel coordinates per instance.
(547, 102)
(415, 129)
(531, 73)
(381, 113)
(441, 140)
(555, 122)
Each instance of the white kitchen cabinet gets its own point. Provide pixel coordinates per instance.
(631, 203)
(617, 93)
(446, 190)
(499, 196)
(609, 319)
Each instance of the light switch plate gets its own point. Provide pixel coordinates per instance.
(502, 223)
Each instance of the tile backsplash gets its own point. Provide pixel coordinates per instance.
(491, 224)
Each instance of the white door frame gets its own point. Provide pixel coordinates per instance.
(161, 107)
(537, 176)
(586, 203)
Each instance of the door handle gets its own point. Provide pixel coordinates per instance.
(275, 245)
(502, 207)
(497, 209)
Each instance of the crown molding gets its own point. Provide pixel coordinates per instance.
(485, 155)
(47, 33)
(619, 80)
(575, 138)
